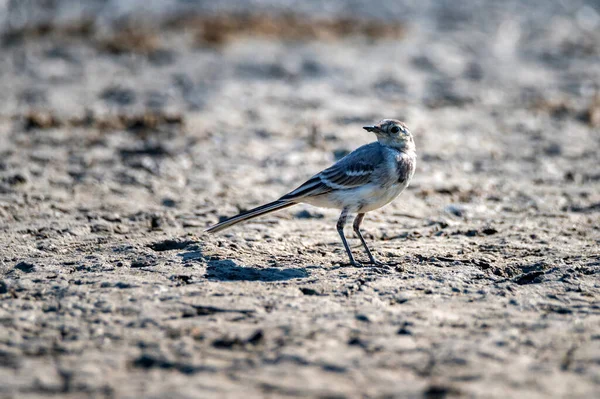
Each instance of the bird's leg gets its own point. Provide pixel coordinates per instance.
(340, 228)
(356, 225)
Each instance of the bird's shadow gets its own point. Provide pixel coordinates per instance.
(228, 270)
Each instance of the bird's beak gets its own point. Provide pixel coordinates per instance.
(371, 128)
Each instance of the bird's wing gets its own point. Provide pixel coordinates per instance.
(354, 170)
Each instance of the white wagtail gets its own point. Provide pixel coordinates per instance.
(364, 180)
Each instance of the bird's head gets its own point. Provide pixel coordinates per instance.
(393, 133)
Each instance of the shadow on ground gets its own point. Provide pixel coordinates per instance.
(228, 270)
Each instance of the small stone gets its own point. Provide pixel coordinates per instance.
(309, 291)
(170, 245)
(156, 222)
(123, 286)
(16, 179)
(362, 317)
(25, 267)
(192, 223)
(113, 217)
(118, 95)
(441, 391)
(169, 202)
(121, 229)
(534, 277)
(455, 210)
(488, 231)
(553, 149)
(142, 263)
(404, 331)
(256, 338)
(101, 228)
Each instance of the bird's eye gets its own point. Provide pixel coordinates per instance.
(395, 129)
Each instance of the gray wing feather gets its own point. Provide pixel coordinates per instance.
(354, 170)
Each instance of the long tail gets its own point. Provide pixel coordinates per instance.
(251, 214)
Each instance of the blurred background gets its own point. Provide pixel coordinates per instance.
(178, 97)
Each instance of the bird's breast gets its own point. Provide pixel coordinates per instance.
(405, 168)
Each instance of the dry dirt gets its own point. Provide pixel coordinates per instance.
(122, 139)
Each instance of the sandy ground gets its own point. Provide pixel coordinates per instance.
(120, 142)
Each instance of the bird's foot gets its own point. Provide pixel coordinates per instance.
(351, 263)
(383, 267)
(375, 262)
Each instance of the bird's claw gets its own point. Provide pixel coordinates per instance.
(351, 263)
(373, 264)
(383, 268)
(376, 263)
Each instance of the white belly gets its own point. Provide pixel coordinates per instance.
(361, 199)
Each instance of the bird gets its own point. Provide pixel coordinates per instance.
(367, 179)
